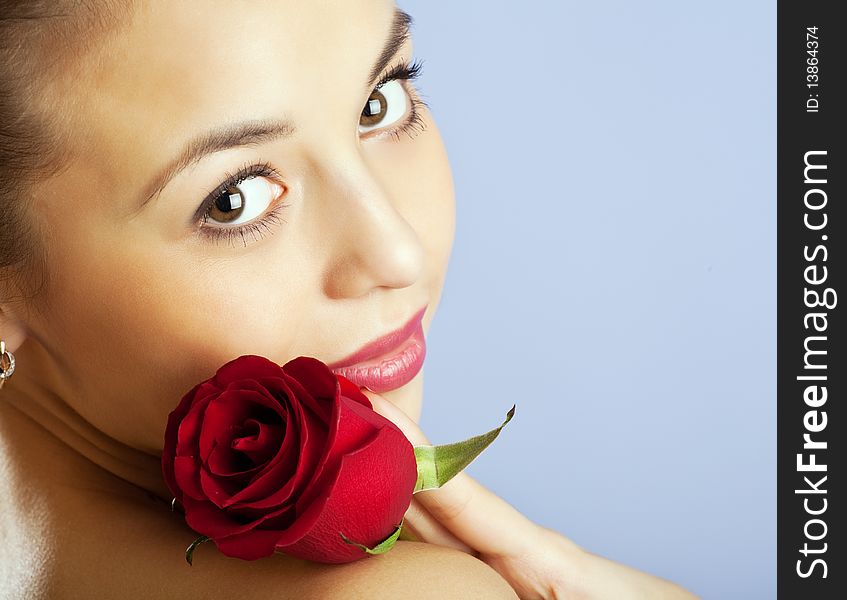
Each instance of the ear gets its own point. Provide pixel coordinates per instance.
(12, 330)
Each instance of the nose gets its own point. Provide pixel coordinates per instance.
(374, 244)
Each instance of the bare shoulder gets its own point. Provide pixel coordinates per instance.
(68, 531)
(418, 571)
(126, 548)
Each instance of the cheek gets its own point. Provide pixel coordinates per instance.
(145, 323)
(186, 310)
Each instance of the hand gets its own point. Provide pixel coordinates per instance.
(465, 515)
(538, 563)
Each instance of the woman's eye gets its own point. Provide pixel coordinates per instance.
(244, 201)
(386, 105)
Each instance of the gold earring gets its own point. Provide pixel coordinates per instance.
(7, 363)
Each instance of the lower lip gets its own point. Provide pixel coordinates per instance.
(390, 371)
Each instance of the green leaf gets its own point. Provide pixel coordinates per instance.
(439, 464)
(189, 552)
(382, 547)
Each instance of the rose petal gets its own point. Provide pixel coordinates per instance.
(281, 519)
(245, 367)
(280, 387)
(275, 483)
(352, 391)
(314, 375)
(188, 434)
(352, 427)
(274, 487)
(367, 500)
(319, 406)
(171, 432)
(229, 410)
(187, 477)
(180, 438)
(214, 490)
(207, 519)
(276, 397)
(226, 462)
(262, 445)
(250, 545)
(278, 483)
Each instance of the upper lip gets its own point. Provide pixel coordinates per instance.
(381, 345)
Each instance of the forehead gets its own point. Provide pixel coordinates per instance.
(178, 68)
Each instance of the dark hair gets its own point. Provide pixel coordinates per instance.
(39, 40)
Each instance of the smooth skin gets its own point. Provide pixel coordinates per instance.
(141, 302)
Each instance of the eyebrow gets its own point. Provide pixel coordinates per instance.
(256, 132)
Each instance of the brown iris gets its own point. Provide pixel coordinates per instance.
(375, 109)
(228, 206)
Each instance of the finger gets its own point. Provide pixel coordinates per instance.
(425, 528)
(479, 517)
(472, 513)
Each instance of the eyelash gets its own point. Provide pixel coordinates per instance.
(408, 72)
(257, 228)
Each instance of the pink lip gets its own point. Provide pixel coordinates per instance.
(388, 362)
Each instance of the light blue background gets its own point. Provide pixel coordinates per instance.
(614, 273)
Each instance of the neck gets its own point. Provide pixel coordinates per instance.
(40, 392)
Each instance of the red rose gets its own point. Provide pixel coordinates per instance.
(266, 458)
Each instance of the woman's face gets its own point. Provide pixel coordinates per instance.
(340, 232)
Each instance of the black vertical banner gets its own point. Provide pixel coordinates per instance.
(811, 366)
